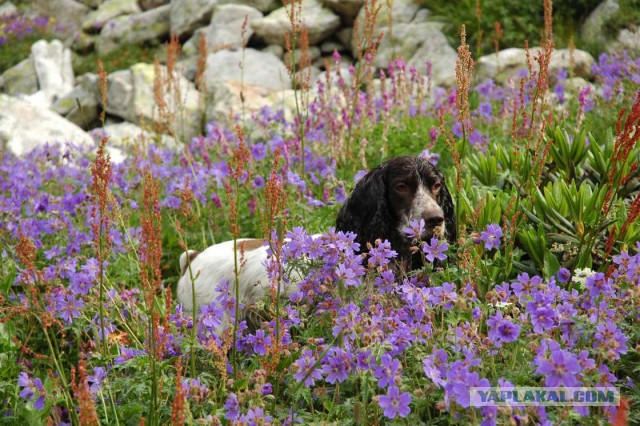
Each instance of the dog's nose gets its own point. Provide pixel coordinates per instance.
(433, 220)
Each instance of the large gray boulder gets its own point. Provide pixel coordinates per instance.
(130, 96)
(258, 68)
(188, 15)
(80, 106)
(225, 29)
(108, 10)
(320, 23)
(120, 95)
(435, 49)
(24, 126)
(20, 79)
(396, 12)
(593, 28)
(68, 14)
(134, 29)
(628, 40)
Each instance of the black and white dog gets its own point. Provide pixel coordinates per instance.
(381, 205)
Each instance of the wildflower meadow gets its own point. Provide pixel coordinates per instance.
(541, 288)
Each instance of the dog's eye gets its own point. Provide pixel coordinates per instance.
(436, 187)
(402, 187)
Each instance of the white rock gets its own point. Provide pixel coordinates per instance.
(108, 10)
(134, 29)
(398, 12)
(436, 50)
(20, 79)
(52, 64)
(183, 105)
(405, 40)
(79, 106)
(628, 40)
(188, 15)
(68, 14)
(24, 126)
(592, 29)
(258, 68)
(8, 8)
(125, 134)
(120, 94)
(319, 22)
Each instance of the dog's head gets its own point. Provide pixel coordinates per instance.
(392, 195)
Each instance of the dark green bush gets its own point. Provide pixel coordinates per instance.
(520, 21)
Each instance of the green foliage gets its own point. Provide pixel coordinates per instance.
(123, 57)
(15, 45)
(520, 21)
(627, 16)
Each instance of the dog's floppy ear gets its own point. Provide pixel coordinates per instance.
(366, 211)
(446, 203)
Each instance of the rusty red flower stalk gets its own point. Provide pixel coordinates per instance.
(627, 138)
(87, 413)
(177, 408)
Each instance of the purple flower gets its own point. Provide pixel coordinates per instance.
(395, 403)
(231, 407)
(32, 389)
(435, 250)
(359, 175)
(256, 416)
(381, 253)
(258, 151)
(560, 369)
(543, 318)
(267, 389)
(69, 307)
(415, 229)
(385, 282)
(485, 109)
(431, 157)
(260, 342)
(563, 275)
(433, 367)
(96, 379)
(491, 237)
(336, 366)
(598, 284)
(460, 380)
(258, 182)
(387, 370)
(444, 295)
(211, 317)
(126, 354)
(307, 369)
(611, 340)
(502, 330)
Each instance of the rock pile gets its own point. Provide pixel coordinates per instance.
(43, 89)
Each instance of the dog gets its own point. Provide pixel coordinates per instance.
(380, 206)
(388, 198)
